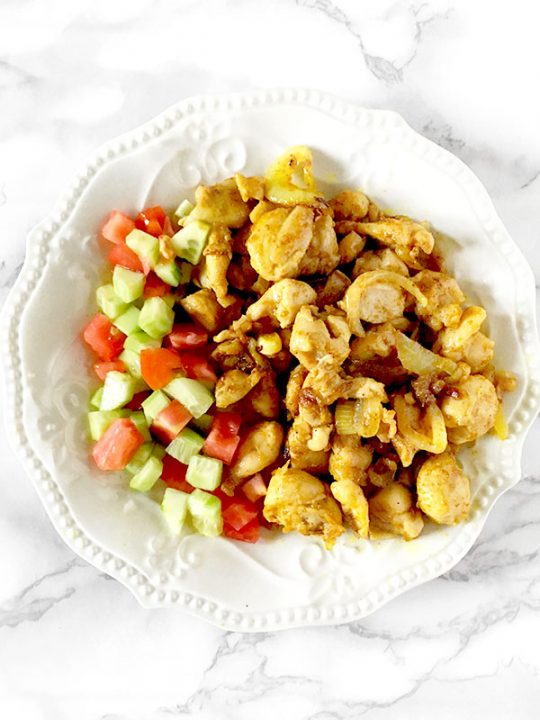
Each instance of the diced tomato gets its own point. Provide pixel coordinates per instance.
(187, 336)
(223, 438)
(168, 228)
(154, 286)
(170, 421)
(250, 533)
(174, 474)
(159, 366)
(124, 256)
(102, 368)
(151, 220)
(117, 227)
(255, 488)
(197, 366)
(137, 400)
(116, 446)
(239, 513)
(104, 339)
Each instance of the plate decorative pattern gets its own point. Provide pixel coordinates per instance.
(283, 581)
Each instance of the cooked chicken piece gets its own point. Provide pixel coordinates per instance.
(392, 511)
(382, 472)
(265, 398)
(423, 428)
(240, 274)
(259, 448)
(233, 354)
(477, 352)
(387, 426)
(350, 205)
(444, 298)
(300, 434)
(394, 232)
(298, 501)
(290, 181)
(444, 492)
(240, 239)
(332, 383)
(350, 459)
(312, 410)
(333, 289)
(219, 203)
(452, 339)
(218, 254)
(260, 209)
(294, 387)
(473, 412)
(405, 449)
(250, 188)
(350, 247)
(282, 302)
(354, 506)
(322, 255)
(374, 212)
(380, 341)
(234, 385)
(316, 335)
(379, 260)
(279, 240)
(204, 308)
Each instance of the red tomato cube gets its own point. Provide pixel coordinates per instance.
(117, 227)
(197, 367)
(155, 287)
(223, 438)
(239, 513)
(170, 421)
(104, 339)
(250, 533)
(117, 445)
(124, 256)
(255, 488)
(187, 336)
(137, 400)
(174, 474)
(151, 220)
(159, 366)
(102, 368)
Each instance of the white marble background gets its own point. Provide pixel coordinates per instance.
(73, 643)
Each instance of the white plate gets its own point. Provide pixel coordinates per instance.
(284, 580)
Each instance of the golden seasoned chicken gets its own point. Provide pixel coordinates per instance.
(262, 207)
(264, 399)
(294, 388)
(279, 240)
(350, 205)
(250, 188)
(332, 383)
(322, 255)
(477, 352)
(316, 335)
(444, 299)
(392, 512)
(318, 417)
(299, 437)
(444, 492)
(472, 413)
(333, 289)
(349, 459)
(233, 385)
(382, 472)
(221, 203)
(300, 502)
(379, 260)
(421, 428)
(387, 426)
(397, 233)
(354, 506)
(204, 308)
(259, 448)
(282, 301)
(218, 254)
(350, 247)
(380, 341)
(452, 339)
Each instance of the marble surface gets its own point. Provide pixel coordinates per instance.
(74, 643)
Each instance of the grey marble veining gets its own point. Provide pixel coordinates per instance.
(75, 644)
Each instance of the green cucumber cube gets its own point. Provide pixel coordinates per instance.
(169, 272)
(139, 341)
(139, 459)
(147, 476)
(204, 472)
(185, 446)
(184, 208)
(127, 284)
(128, 322)
(118, 390)
(192, 394)
(205, 511)
(132, 361)
(174, 507)
(170, 299)
(139, 420)
(109, 302)
(156, 318)
(154, 404)
(95, 400)
(203, 423)
(146, 246)
(189, 242)
(99, 421)
(159, 451)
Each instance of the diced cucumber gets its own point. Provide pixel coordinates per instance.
(99, 421)
(184, 208)
(189, 242)
(204, 472)
(174, 507)
(154, 404)
(170, 299)
(109, 302)
(203, 423)
(128, 322)
(139, 420)
(156, 318)
(139, 341)
(192, 394)
(147, 476)
(127, 284)
(95, 400)
(118, 390)
(146, 246)
(132, 361)
(141, 456)
(168, 272)
(205, 511)
(185, 446)
(185, 272)
(159, 451)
